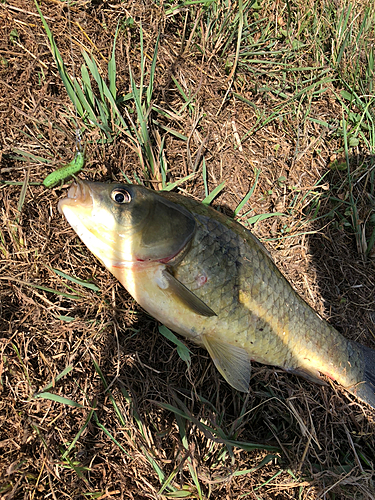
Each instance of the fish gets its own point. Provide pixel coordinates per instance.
(208, 278)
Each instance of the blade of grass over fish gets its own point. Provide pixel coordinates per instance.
(249, 194)
(57, 399)
(77, 281)
(209, 199)
(79, 433)
(182, 350)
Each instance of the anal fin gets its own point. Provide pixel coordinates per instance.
(311, 376)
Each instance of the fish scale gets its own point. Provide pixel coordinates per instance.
(208, 278)
(268, 318)
(235, 289)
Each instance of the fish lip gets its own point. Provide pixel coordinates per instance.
(78, 193)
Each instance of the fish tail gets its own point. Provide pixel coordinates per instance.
(365, 390)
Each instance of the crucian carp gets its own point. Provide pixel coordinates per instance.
(206, 277)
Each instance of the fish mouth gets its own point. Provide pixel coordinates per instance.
(79, 194)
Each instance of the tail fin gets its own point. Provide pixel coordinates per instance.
(366, 389)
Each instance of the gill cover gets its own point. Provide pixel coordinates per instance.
(123, 222)
(159, 228)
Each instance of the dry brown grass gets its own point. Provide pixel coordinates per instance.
(325, 436)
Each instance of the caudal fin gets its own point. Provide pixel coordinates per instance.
(365, 390)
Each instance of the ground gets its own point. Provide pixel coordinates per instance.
(267, 97)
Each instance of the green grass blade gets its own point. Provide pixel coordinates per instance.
(77, 281)
(154, 465)
(182, 350)
(92, 66)
(114, 404)
(46, 289)
(26, 156)
(112, 66)
(21, 199)
(150, 87)
(58, 399)
(173, 185)
(107, 433)
(260, 217)
(67, 319)
(62, 374)
(204, 176)
(249, 194)
(89, 93)
(144, 139)
(208, 199)
(85, 107)
(79, 433)
(60, 64)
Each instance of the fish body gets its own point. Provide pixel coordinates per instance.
(209, 279)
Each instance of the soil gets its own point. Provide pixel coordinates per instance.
(125, 441)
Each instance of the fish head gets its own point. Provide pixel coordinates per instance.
(124, 224)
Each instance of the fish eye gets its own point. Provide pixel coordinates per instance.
(120, 195)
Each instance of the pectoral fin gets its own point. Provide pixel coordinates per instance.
(232, 362)
(186, 296)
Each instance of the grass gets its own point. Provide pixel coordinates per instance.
(99, 403)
